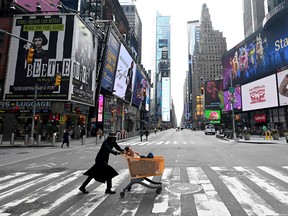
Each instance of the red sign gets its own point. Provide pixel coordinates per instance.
(260, 118)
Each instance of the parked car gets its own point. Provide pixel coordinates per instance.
(210, 129)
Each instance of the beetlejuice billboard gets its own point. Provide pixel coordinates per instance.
(62, 45)
(260, 55)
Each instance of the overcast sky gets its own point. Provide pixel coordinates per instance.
(226, 16)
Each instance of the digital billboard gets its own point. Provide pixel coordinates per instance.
(260, 94)
(163, 43)
(110, 61)
(84, 56)
(53, 49)
(125, 74)
(213, 116)
(260, 55)
(46, 6)
(166, 99)
(100, 108)
(140, 86)
(237, 103)
(213, 94)
(282, 78)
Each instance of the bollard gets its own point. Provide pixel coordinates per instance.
(26, 139)
(83, 139)
(53, 139)
(1, 137)
(38, 140)
(12, 139)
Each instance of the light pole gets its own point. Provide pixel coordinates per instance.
(31, 140)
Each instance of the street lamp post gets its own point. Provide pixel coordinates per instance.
(31, 140)
(232, 100)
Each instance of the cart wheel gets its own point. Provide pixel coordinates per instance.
(129, 189)
(158, 190)
(122, 194)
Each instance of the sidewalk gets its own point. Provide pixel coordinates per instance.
(73, 142)
(255, 139)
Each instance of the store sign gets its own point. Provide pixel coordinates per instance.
(16, 105)
(260, 118)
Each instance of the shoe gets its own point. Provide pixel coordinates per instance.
(109, 191)
(83, 190)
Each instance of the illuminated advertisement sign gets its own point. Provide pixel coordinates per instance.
(282, 78)
(260, 55)
(237, 102)
(140, 87)
(125, 75)
(213, 94)
(100, 108)
(110, 61)
(213, 116)
(62, 45)
(260, 94)
(166, 99)
(163, 43)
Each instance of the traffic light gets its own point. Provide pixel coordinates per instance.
(144, 92)
(202, 89)
(30, 55)
(57, 80)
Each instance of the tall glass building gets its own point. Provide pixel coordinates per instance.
(162, 42)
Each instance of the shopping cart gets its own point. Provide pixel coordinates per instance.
(141, 168)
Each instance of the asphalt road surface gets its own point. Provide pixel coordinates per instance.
(203, 175)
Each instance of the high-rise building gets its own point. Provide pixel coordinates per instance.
(134, 38)
(206, 60)
(253, 15)
(193, 39)
(162, 43)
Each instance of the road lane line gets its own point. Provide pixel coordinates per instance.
(12, 176)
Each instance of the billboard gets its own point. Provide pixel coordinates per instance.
(260, 55)
(260, 94)
(237, 103)
(100, 108)
(163, 43)
(213, 94)
(110, 61)
(52, 37)
(125, 74)
(140, 86)
(213, 116)
(46, 6)
(282, 78)
(84, 57)
(166, 99)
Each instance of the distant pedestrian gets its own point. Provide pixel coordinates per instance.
(141, 133)
(101, 171)
(65, 138)
(146, 134)
(99, 133)
(155, 130)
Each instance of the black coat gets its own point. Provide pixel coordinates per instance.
(101, 170)
(66, 137)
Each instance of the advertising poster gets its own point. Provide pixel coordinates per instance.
(213, 94)
(52, 37)
(46, 6)
(213, 116)
(147, 98)
(282, 78)
(125, 74)
(260, 55)
(166, 99)
(140, 86)
(84, 64)
(260, 94)
(100, 108)
(237, 103)
(110, 61)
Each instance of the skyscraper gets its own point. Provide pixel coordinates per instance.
(253, 15)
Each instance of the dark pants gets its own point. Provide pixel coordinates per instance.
(67, 143)
(89, 178)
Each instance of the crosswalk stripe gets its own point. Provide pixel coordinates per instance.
(95, 198)
(270, 187)
(252, 203)
(275, 173)
(213, 200)
(43, 191)
(159, 143)
(12, 176)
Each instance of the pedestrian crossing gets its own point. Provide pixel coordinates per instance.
(159, 143)
(203, 191)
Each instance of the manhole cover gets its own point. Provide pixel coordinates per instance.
(232, 173)
(184, 188)
(23, 207)
(53, 170)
